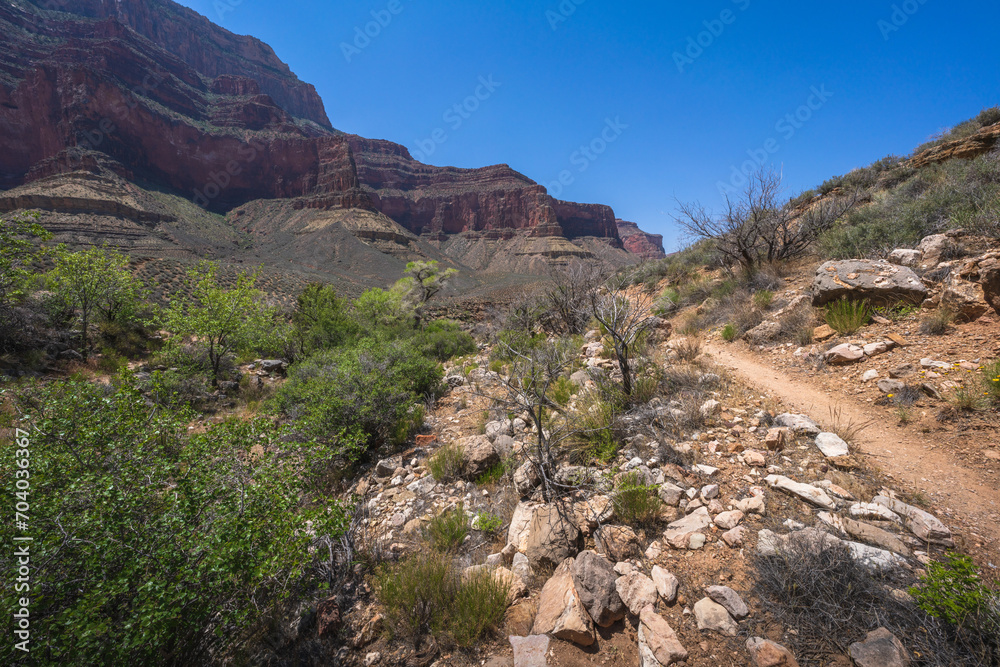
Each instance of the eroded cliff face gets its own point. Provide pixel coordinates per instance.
(157, 94)
(638, 242)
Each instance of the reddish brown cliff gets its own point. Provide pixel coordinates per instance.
(638, 242)
(154, 92)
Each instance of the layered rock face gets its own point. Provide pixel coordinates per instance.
(156, 93)
(638, 242)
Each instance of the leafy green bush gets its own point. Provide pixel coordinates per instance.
(360, 397)
(562, 391)
(423, 595)
(154, 545)
(488, 522)
(729, 333)
(443, 340)
(845, 316)
(953, 592)
(668, 302)
(447, 462)
(635, 503)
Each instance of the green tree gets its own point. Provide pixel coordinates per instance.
(18, 250)
(384, 309)
(224, 320)
(322, 320)
(96, 282)
(423, 283)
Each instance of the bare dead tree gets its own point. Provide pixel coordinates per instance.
(756, 227)
(568, 299)
(627, 318)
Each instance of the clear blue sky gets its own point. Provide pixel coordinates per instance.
(927, 66)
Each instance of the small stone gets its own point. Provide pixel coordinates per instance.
(666, 584)
(729, 599)
(832, 445)
(710, 491)
(869, 376)
(880, 649)
(710, 408)
(728, 520)
(530, 651)
(805, 492)
(734, 537)
(658, 639)
(890, 386)
(670, 494)
(636, 591)
(372, 658)
(766, 653)
(713, 616)
(844, 354)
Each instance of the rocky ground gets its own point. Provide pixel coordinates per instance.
(793, 449)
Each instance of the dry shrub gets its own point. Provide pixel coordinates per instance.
(831, 601)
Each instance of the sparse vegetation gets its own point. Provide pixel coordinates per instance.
(729, 333)
(635, 503)
(446, 463)
(424, 597)
(448, 530)
(937, 322)
(846, 317)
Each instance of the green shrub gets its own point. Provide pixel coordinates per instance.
(635, 503)
(595, 437)
(447, 462)
(729, 333)
(667, 303)
(159, 545)
(846, 317)
(425, 596)
(447, 531)
(443, 340)
(497, 472)
(360, 397)
(562, 391)
(953, 592)
(967, 398)
(488, 522)
(763, 299)
(322, 320)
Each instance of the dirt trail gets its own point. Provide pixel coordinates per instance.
(961, 496)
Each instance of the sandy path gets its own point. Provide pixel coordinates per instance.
(961, 496)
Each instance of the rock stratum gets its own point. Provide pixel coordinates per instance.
(143, 115)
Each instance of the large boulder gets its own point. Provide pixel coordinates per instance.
(764, 332)
(552, 537)
(520, 524)
(479, 455)
(933, 249)
(560, 610)
(876, 280)
(594, 578)
(965, 299)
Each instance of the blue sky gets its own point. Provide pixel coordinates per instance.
(661, 116)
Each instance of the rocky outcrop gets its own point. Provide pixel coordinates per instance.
(979, 143)
(875, 280)
(645, 245)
